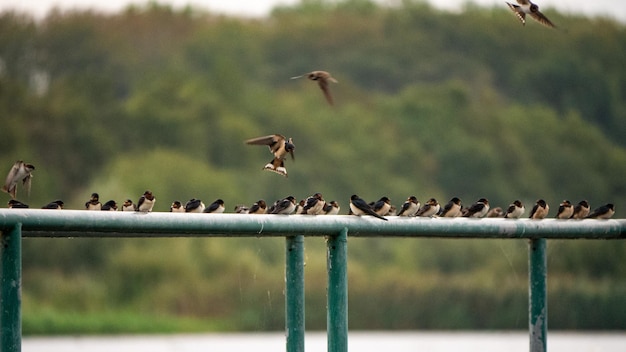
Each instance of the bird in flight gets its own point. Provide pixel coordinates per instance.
(527, 7)
(322, 78)
(280, 147)
(20, 171)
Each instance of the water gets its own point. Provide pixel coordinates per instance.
(316, 341)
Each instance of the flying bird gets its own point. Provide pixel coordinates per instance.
(539, 210)
(322, 78)
(515, 210)
(410, 206)
(146, 202)
(194, 206)
(94, 202)
(16, 204)
(527, 7)
(360, 207)
(215, 207)
(581, 210)
(279, 146)
(604, 212)
(452, 209)
(20, 171)
(566, 210)
(430, 208)
(109, 206)
(478, 209)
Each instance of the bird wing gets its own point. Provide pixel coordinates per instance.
(266, 140)
(323, 83)
(10, 183)
(539, 17)
(520, 14)
(523, 2)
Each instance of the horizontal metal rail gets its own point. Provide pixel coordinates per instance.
(18, 223)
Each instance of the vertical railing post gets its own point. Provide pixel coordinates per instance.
(294, 293)
(537, 300)
(337, 315)
(10, 289)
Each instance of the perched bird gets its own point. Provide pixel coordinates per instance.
(527, 7)
(495, 213)
(284, 206)
(430, 208)
(241, 209)
(322, 78)
(194, 206)
(313, 205)
(478, 209)
(109, 206)
(177, 207)
(56, 204)
(279, 146)
(331, 208)
(20, 171)
(94, 202)
(146, 202)
(16, 204)
(566, 210)
(393, 211)
(515, 210)
(128, 205)
(539, 210)
(360, 207)
(300, 206)
(215, 207)
(382, 206)
(258, 208)
(604, 212)
(581, 210)
(452, 209)
(410, 206)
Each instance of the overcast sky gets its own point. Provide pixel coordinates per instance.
(611, 8)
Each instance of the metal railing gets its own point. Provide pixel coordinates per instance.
(18, 223)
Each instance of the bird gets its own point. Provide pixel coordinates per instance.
(284, 206)
(604, 212)
(241, 209)
(527, 7)
(20, 171)
(429, 209)
(495, 213)
(539, 210)
(566, 210)
(16, 204)
(56, 204)
(478, 209)
(322, 78)
(258, 208)
(177, 207)
(146, 202)
(360, 207)
(215, 207)
(313, 205)
(194, 206)
(331, 208)
(279, 146)
(128, 205)
(581, 210)
(452, 209)
(94, 202)
(515, 210)
(111, 205)
(410, 206)
(382, 206)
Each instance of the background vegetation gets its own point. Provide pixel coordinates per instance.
(430, 103)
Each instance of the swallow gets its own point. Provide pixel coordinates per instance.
(128, 205)
(515, 210)
(410, 206)
(241, 209)
(16, 204)
(94, 202)
(527, 7)
(216, 207)
(258, 208)
(566, 210)
(109, 206)
(604, 212)
(581, 210)
(539, 210)
(284, 206)
(177, 207)
(331, 208)
(495, 213)
(194, 206)
(280, 147)
(452, 209)
(478, 209)
(20, 171)
(430, 208)
(382, 206)
(313, 205)
(360, 207)
(146, 202)
(57, 204)
(393, 211)
(322, 78)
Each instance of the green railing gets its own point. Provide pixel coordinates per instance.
(17, 223)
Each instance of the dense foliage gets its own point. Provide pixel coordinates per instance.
(430, 103)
